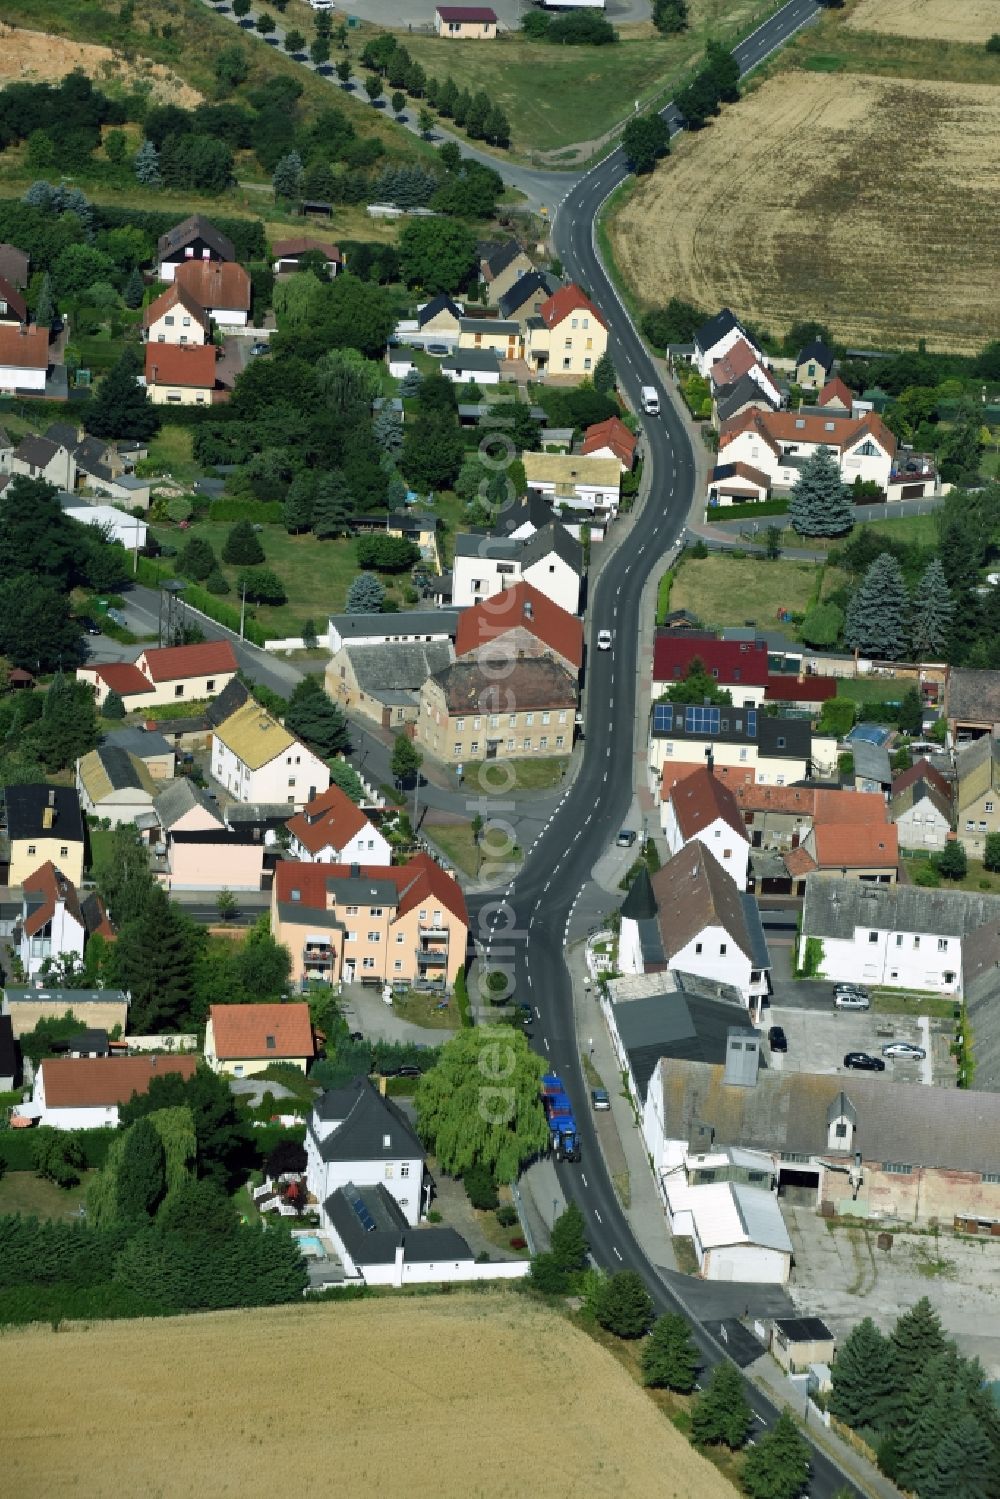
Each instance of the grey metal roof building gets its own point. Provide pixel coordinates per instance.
(835, 908)
(673, 1024)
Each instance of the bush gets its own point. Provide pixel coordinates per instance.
(548, 1276)
(258, 512)
(506, 1215)
(480, 1188)
(952, 861)
(927, 877)
(624, 1306)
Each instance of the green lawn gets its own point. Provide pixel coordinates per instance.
(455, 840)
(726, 590)
(529, 775)
(557, 97)
(97, 352)
(936, 1005)
(977, 877)
(24, 1192)
(920, 528)
(100, 844)
(170, 453)
(422, 1009)
(872, 689)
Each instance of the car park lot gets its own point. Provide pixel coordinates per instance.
(818, 1042)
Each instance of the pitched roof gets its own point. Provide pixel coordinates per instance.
(524, 288)
(953, 1129)
(192, 228)
(233, 696)
(923, 770)
(291, 249)
(15, 302)
(568, 470)
(922, 794)
(692, 892)
(38, 451)
(835, 390)
(871, 762)
(739, 359)
(754, 476)
(673, 1023)
(438, 304)
(731, 662)
(213, 284)
(28, 806)
(799, 861)
(123, 677)
(716, 328)
(466, 13)
(817, 351)
(549, 539)
(730, 400)
(612, 434)
(146, 743)
(330, 820)
(255, 1031)
(520, 607)
(399, 666)
(371, 1128)
(835, 429)
(173, 662)
(179, 797)
(108, 769)
(833, 908)
(44, 889)
(484, 360)
(174, 296)
(24, 348)
(14, 265)
(701, 799)
(564, 302)
(534, 682)
(96, 1082)
(96, 919)
(414, 883)
(860, 846)
(502, 257)
(973, 696)
(253, 736)
(191, 365)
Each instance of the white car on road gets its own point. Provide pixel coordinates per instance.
(604, 640)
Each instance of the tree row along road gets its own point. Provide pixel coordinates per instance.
(527, 935)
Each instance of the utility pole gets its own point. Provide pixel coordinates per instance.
(243, 607)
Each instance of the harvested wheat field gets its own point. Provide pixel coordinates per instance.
(37, 57)
(465, 1395)
(945, 20)
(868, 203)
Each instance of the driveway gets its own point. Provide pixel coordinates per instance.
(365, 1010)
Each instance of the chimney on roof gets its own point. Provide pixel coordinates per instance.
(52, 796)
(529, 610)
(742, 1057)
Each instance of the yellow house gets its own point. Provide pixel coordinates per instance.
(568, 336)
(499, 334)
(43, 823)
(243, 1039)
(348, 923)
(466, 22)
(503, 268)
(180, 375)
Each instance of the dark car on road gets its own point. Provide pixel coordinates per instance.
(776, 1039)
(402, 1072)
(863, 1061)
(87, 625)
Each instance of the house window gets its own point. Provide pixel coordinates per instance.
(916, 943)
(512, 721)
(422, 915)
(543, 743)
(474, 747)
(873, 936)
(948, 977)
(899, 940)
(743, 754)
(587, 363)
(375, 911)
(991, 1178)
(457, 749)
(31, 848)
(374, 936)
(368, 963)
(350, 910)
(841, 1130)
(494, 720)
(526, 742)
(400, 938)
(179, 691)
(781, 741)
(560, 740)
(511, 744)
(388, 1171)
(210, 685)
(459, 725)
(988, 807)
(397, 967)
(942, 944)
(351, 937)
(893, 1168)
(404, 1169)
(529, 719)
(697, 947)
(723, 949)
(291, 780)
(562, 717)
(64, 851)
(477, 723)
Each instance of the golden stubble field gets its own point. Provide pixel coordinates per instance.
(37, 57)
(946, 20)
(868, 203)
(470, 1395)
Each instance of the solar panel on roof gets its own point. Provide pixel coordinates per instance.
(663, 718)
(364, 1217)
(701, 720)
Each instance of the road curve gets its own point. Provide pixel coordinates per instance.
(528, 933)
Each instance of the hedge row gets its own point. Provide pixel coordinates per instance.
(17, 1147)
(266, 512)
(747, 512)
(225, 614)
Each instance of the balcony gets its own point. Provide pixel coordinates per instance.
(433, 929)
(432, 957)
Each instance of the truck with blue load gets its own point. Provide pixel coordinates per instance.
(563, 1135)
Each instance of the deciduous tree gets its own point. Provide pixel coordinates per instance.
(645, 139)
(568, 1244)
(481, 1102)
(437, 254)
(623, 1305)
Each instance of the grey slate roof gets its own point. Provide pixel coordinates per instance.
(871, 762)
(640, 902)
(434, 306)
(673, 1024)
(759, 955)
(833, 908)
(63, 433)
(480, 544)
(901, 1123)
(407, 622)
(91, 456)
(178, 798)
(717, 327)
(138, 741)
(485, 360)
(118, 768)
(265, 813)
(232, 696)
(377, 1244)
(26, 807)
(534, 510)
(368, 1120)
(553, 538)
(502, 257)
(913, 795)
(742, 392)
(524, 288)
(794, 734)
(38, 451)
(401, 666)
(817, 351)
(973, 696)
(190, 229)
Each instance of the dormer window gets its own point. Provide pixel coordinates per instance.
(270, 1043)
(386, 1142)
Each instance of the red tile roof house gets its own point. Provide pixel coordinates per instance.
(331, 829)
(519, 623)
(182, 375)
(739, 666)
(171, 674)
(174, 317)
(568, 336)
(610, 439)
(86, 1093)
(223, 291)
(54, 923)
(741, 360)
(243, 1039)
(24, 358)
(779, 442)
(466, 22)
(700, 806)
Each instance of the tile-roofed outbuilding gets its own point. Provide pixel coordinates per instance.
(330, 820)
(213, 284)
(534, 683)
(808, 689)
(834, 393)
(123, 677)
(250, 1031)
(291, 249)
(564, 302)
(24, 348)
(12, 299)
(175, 662)
(520, 607)
(190, 229)
(865, 845)
(95, 1082)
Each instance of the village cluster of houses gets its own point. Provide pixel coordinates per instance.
(763, 443)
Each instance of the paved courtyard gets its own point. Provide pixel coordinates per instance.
(841, 1275)
(819, 1040)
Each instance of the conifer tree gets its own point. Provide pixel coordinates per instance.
(142, 1179)
(877, 615)
(722, 1413)
(820, 504)
(778, 1466)
(933, 610)
(113, 706)
(332, 506)
(862, 1376)
(154, 959)
(298, 507)
(366, 595)
(669, 1358)
(146, 165)
(569, 1241)
(623, 1304)
(242, 546)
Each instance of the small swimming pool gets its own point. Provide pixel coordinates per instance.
(869, 733)
(312, 1246)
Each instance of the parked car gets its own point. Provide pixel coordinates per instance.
(604, 640)
(776, 1039)
(600, 1099)
(903, 1049)
(851, 999)
(260, 348)
(626, 838)
(87, 625)
(357, 1036)
(402, 1072)
(863, 1061)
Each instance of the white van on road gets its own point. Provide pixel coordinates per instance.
(650, 400)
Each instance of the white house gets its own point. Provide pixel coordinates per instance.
(114, 783)
(895, 936)
(174, 317)
(221, 289)
(331, 829)
(776, 443)
(701, 806)
(709, 927)
(51, 924)
(258, 760)
(715, 338)
(42, 458)
(356, 1136)
(86, 1092)
(575, 481)
(24, 357)
(737, 1230)
(551, 560)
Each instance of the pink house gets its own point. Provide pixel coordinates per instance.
(213, 859)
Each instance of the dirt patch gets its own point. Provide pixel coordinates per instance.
(38, 57)
(863, 202)
(300, 1394)
(944, 20)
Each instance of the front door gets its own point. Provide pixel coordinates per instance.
(348, 970)
(492, 745)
